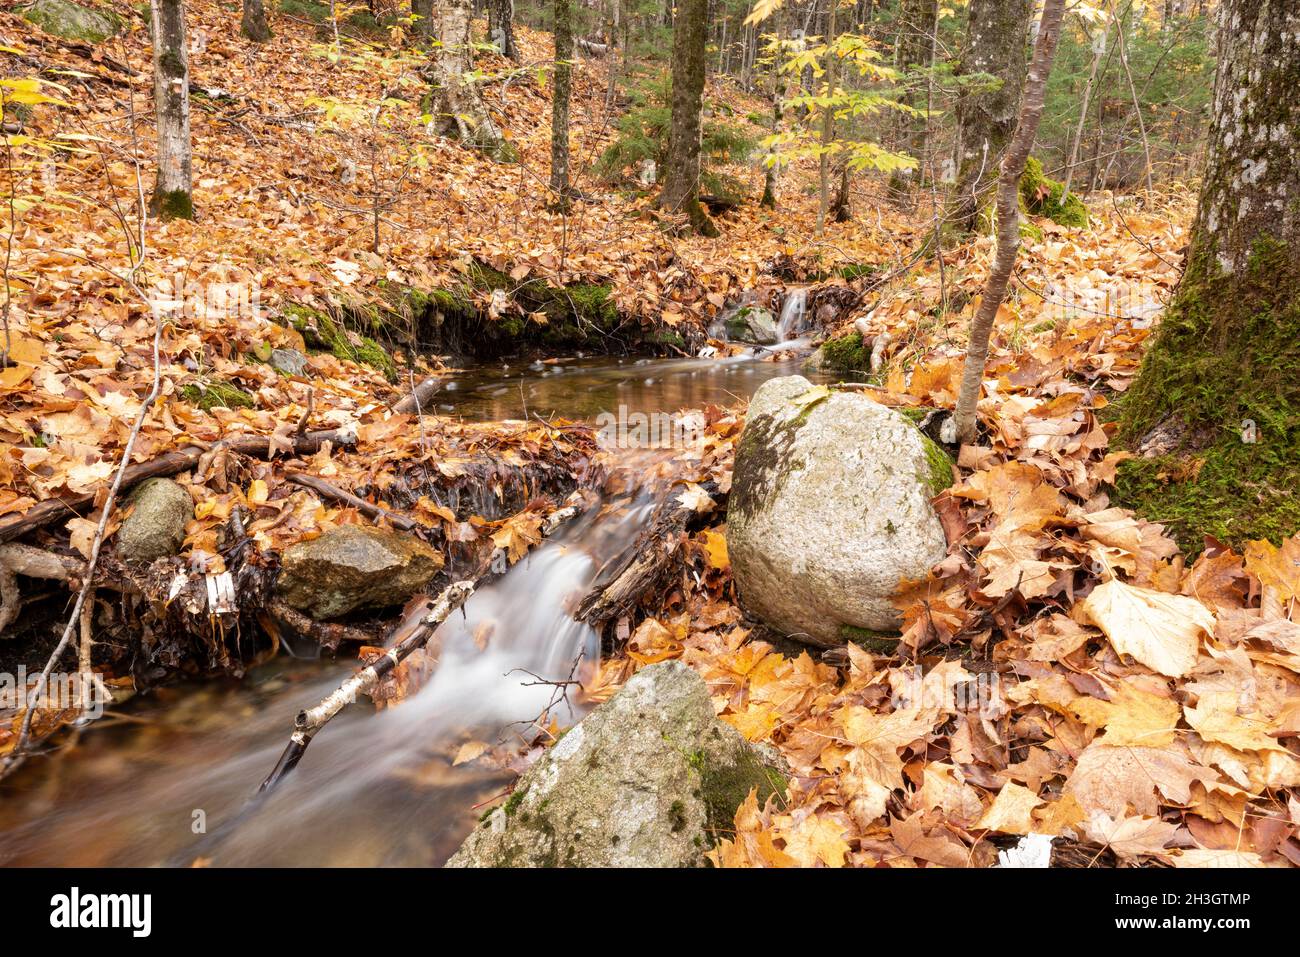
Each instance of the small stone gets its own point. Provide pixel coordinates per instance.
(355, 566)
(156, 526)
(288, 361)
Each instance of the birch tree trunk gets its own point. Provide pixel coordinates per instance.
(172, 194)
(682, 162)
(459, 109)
(254, 24)
(996, 43)
(560, 102)
(1008, 212)
(1220, 384)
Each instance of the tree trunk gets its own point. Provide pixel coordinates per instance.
(828, 125)
(423, 12)
(1220, 384)
(172, 194)
(254, 24)
(501, 27)
(995, 44)
(460, 111)
(1008, 212)
(560, 102)
(914, 49)
(682, 162)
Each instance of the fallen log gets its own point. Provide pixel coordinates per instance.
(419, 398)
(169, 463)
(646, 566)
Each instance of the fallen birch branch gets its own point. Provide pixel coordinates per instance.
(309, 722)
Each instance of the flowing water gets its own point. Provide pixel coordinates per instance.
(153, 780)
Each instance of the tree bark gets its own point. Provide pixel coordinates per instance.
(173, 194)
(828, 125)
(254, 24)
(423, 12)
(1008, 212)
(682, 163)
(914, 48)
(501, 27)
(995, 44)
(460, 110)
(1227, 352)
(560, 102)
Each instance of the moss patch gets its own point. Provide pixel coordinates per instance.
(1043, 196)
(73, 21)
(1224, 369)
(323, 333)
(846, 354)
(215, 393)
(940, 463)
(176, 204)
(876, 642)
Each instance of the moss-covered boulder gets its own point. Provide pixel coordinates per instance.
(752, 324)
(1044, 196)
(830, 509)
(648, 779)
(355, 566)
(73, 21)
(156, 526)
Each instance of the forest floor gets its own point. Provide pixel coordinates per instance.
(1137, 702)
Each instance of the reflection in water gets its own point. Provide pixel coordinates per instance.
(375, 788)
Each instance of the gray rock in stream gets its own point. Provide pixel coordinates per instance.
(829, 509)
(156, 526)
(645, 780)
(355, 566)
(752, 324)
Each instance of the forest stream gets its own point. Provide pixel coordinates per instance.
(154, 781)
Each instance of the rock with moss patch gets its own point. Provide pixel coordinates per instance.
(1044, 196)
(355, 566)
(752, 324)
(648, 779)
(829, 509)
(72, 21)
(156, 526)
(288, 361)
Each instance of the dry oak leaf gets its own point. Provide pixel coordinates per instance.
(1161, 631)
(1276, 568)
(1011, 811)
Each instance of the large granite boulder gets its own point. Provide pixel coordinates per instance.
(355, 566)
(156, 526)
(72, 21)
(645, 780)
(829, 509)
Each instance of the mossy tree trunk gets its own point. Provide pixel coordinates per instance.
(996, 44)
(254, 24)
(681, 190)
(914, 50)
(1215, 411)
(501, 27)
(560, 101)
(459, 109)
(1008, 213)
(173, 194)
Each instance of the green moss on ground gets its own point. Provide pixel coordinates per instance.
(1223, 375)
(323, 333)
(876, 642)
(1044, 196)
(176, 204)
(210, 394)
(846, 354)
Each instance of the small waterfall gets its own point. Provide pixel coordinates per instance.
(793, 312)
